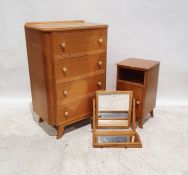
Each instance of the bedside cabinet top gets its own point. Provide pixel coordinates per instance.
(63, 25)
(138, 63)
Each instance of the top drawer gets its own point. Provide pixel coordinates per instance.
(70, 44)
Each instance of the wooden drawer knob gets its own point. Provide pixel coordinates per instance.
(100, 63)
(65, 92)
(63, 45)
(138, 102)
(64, 69)
(100, 40)
(66, 113)
(99, 83)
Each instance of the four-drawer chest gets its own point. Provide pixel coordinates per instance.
(67, 65)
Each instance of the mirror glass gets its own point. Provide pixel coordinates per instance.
(116, 139)
(113, 119)
(113, 102)
(123, 115)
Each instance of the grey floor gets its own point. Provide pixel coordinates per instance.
(30, 148)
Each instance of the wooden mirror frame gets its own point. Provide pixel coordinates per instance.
(129, 111)
(108, 131)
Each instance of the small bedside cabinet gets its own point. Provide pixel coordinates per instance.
(67, 65)
(141, 77)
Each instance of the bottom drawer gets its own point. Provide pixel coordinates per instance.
(75, 110)
(137, 94)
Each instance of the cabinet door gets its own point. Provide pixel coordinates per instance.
(138, 92)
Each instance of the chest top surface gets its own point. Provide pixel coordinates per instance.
(63, 25)
(138, 63)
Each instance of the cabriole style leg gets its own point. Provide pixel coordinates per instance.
(152, 114)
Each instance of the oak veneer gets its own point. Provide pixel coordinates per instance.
(67, 64)
(140, 76)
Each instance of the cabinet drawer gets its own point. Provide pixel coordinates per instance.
(138, 92)
(74, 89)
(75, 110)
(71, 67)
(78, 41)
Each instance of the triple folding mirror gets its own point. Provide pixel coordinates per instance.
(114, 120)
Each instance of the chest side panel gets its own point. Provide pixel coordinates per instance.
(38, 50)
(151, 89)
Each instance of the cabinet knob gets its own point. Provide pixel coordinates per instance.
(65, 92)
(63, 45)
(138, 102)
(99, 83)
(64, 69)
(66, 113)
(100, 40)
(100, 63)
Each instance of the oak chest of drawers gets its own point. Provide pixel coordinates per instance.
(141, 77)
(67, 64)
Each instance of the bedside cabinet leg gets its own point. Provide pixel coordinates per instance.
(91, 123)
(40, 120)
(152, 114)
(60, 131)
(140, 123)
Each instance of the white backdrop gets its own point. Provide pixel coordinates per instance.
(151, 29)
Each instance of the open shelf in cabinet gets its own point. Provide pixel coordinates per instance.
(131, 75)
